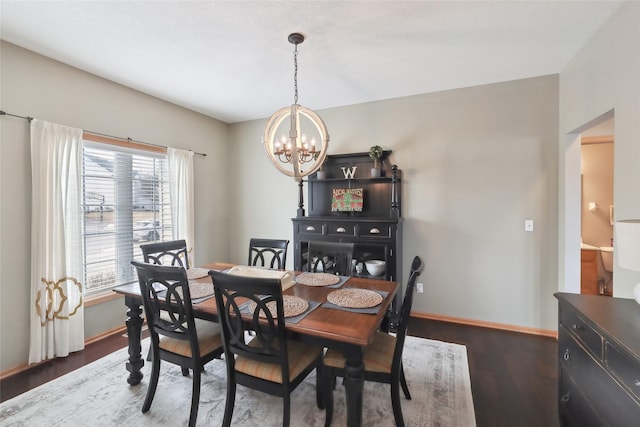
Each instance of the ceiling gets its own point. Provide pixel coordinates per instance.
(231, 59)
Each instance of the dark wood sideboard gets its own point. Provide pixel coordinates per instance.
(376, 231)
(599, 360)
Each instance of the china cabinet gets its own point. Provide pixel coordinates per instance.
(369, 216)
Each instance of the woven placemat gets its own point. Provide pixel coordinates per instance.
(354, 298)
(292, 305)
(317, 279)
(197, 273)
(198, 290)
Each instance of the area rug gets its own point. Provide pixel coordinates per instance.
(98, 395)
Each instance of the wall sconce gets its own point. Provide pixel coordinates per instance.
(627, 243)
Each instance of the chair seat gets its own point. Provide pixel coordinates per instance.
(209, 339)
(378, 356)
(300, 356)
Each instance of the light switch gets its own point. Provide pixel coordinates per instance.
(528, 225)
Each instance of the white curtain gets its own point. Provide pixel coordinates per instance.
(181, 183)
(56, 308)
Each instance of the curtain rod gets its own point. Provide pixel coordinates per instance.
(27, 118)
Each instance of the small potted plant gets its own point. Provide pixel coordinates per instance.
(375, 152)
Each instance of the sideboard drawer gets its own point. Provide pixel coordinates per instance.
(596, 384)
(310, 227)
(375, 230)
(578, 327)
(574, 408)
(341, 229)
(625, 368)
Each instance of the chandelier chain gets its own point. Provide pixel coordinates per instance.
(295, 74)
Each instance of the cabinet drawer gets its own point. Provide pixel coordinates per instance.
(625, 368)
(341, 229)
(574, 408)
(615, 406)
(376, 230)
(589, 337)
(310, 227)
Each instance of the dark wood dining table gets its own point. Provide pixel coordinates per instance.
(342, 330)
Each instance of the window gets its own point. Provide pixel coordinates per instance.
(126, 203)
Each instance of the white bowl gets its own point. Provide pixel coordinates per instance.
(375, 267)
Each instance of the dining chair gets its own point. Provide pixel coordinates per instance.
(330, 257)
(173, 252)
(382, 358)
(266, 361)
(176, 337)
(271, 253)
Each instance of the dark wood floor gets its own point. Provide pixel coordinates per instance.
(513, 376)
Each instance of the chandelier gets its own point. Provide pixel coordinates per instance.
(295, 138)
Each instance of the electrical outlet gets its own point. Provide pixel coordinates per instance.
(419, 288)
(528, 225)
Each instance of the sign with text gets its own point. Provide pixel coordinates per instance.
(347, 199)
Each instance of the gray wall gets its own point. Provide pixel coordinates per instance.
(602, 79)
(32, 85)
(476, 163)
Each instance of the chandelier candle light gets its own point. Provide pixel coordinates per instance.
(304, 150)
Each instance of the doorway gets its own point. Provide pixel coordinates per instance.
(597, 208)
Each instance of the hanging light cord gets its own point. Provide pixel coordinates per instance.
(295, 74)
(29, 119)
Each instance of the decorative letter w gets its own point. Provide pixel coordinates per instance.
(349, 173)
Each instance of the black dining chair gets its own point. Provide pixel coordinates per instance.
(176, 337)
(270, 253)
(266, 361)
(330, 257)
(382, 358)
(173, 252)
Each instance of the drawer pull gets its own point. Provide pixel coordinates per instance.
(566, 355)
(578, 327)
(341, 230)
(374, 231)
(636, 383)
(310, 228)
(565, 398)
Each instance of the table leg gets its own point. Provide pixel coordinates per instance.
(354, 385)
(134, 331)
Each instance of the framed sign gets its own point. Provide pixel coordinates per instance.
(347, 199)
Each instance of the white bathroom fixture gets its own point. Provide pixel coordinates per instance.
(606, 253)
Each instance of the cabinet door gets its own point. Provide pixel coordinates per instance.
(374, 251)
(589, 272)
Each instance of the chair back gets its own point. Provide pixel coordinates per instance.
(234, 296)
(270, 253)
(166, 289)
(330, 257)
(173, 252)
(405, 311)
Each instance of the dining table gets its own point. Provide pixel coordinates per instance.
(344, 330)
